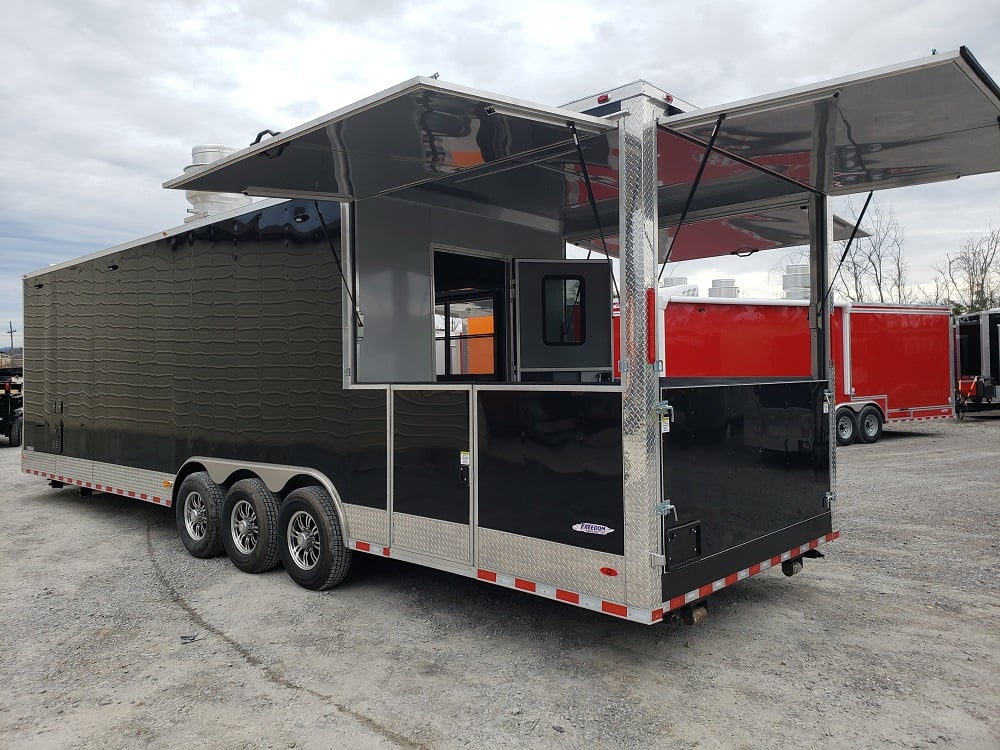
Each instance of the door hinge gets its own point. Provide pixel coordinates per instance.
(657, 560)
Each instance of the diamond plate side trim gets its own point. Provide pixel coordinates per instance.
(369, 524)
(442, 539)
(38, 462)
(640, 380)
(127, 481)
(556, 564)
(80, 469)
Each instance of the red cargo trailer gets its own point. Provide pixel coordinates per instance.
(893, 363)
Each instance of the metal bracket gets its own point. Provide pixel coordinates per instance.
(829, 398)
(657, 560)
(666, 414)
(667, 508)
(828, 499)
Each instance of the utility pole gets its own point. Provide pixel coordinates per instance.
(11, 330)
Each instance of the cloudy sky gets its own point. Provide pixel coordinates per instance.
(102, 101)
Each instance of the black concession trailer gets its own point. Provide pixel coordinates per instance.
(392, 354)
(977, 352)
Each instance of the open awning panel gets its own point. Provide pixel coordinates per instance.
(931, 120)
(438, 144)
(742, 233)
(418, 131)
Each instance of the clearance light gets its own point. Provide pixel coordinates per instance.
(603, 99)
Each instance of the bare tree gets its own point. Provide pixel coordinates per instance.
(971, 280)
(874, 269)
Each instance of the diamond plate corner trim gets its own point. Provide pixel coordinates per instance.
(567, 567)
(367, 524)
(442, 539)
(640, 383)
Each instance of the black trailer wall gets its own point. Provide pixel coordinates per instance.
(223, 341)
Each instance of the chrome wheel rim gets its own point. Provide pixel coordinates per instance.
(303, 540)
(243, 525)
(871, 425)
(195, 516)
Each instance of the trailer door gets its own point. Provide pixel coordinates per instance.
(431, 466)
(563, 312)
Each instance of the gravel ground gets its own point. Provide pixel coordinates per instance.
(111, 636)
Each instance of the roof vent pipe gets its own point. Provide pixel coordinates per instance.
(205, 204)
(795, 281)
(724, 288)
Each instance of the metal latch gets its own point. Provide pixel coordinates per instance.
(666, 414)
(827, 401)
(828, 499)
(667, 508)
(359, 333)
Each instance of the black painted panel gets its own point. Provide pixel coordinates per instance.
(430, 432)
(549, 460)
(746, 460)
(223, 341)
(718, 566)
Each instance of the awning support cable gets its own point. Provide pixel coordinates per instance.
(336, 256)
(593, 205)
(690, 198)
(847, 249)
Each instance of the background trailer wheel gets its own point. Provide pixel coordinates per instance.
(311, 540)
(198, 511)
(16, 431)
(870, 424)
(847, 425)
(250, 523)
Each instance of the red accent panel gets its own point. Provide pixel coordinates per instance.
(614, 609)
(520, 583)
(651, 326)
(385, 551)
(705, 590)
(775, 561)
(731, 579)
(363, 546)
(567, 596)
(657, 615)
(755, 569)
(486, 575)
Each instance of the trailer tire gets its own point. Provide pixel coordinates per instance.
(870, 425)
(16, 431)
(847, 426)
(198, 511)
(250, 526)
(311, 541)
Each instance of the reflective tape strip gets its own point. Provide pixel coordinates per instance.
(711, 588)
(617, 609)
(371, 549)
(107, 488)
